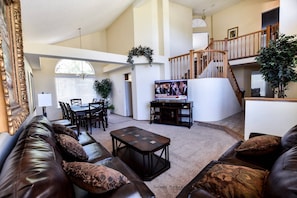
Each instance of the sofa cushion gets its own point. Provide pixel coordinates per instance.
(61, 129)
(72, 150)
(259, 145)
(289, 140)
(223, 180)
(96, 152)
(282, 181)
(33, 169)
(94, 178)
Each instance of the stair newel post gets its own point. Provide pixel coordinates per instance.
(192, 73)
(226, 44)
(225, 61)
(200, 61)
(211, 43)
(268, 35)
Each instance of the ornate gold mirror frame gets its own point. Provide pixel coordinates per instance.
(13, 93)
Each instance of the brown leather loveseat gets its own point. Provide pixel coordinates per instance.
(33, 164)
(262, 166)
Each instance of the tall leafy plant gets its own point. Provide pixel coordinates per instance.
(103, 87)
(278, 62)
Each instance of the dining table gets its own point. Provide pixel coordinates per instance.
(79, 112)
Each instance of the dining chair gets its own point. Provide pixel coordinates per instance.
(105, 114)
(65, 119)
(95, 115)
(76, 101)
(64, 111)
(70, 113)
(95, 100)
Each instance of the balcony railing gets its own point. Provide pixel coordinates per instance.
(214, 60)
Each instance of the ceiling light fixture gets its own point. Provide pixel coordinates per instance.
(203, 15)
(82, 74)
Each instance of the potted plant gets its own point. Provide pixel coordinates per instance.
(277, 63)
(104, 88)
(140, 51)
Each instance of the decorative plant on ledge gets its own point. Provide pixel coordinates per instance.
(140, 51)
(278, 62)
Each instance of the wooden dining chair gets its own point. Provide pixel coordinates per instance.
(95, 115)
(64, 110)
(70, 113)
(76, 101)
(105, 114)
(65, 119)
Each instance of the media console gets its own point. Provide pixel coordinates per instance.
(175, 113)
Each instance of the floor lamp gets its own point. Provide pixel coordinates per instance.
(44, 100)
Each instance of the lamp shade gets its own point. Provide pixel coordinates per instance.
(44, 100)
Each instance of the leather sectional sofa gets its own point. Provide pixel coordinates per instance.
(262, 166)
(34, 163)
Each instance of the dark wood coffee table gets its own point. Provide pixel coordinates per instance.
(145, 152)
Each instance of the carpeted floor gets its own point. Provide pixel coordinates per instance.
(189, 151)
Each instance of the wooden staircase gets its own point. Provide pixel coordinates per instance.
(213, 62)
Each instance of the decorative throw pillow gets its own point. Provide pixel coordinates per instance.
(94, 178)
(224, 180)
(259, 145)
(71, 148)
(61, 129)
(289, 140)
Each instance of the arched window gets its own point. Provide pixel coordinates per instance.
(74, 79)
(77, 67)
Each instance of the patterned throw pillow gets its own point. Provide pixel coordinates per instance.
(61, 129)
(72, 150)
(224, 180)
(94, 178)
(259, 145)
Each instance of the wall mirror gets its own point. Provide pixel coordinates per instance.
(13, 93)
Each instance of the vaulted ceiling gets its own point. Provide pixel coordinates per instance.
(51, 21)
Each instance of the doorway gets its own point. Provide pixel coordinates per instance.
(128, 95)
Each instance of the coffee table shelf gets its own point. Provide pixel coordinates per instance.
(145, 152)
(141, 165)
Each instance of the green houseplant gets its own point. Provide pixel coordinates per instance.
(277, 63)
(140, 51)
(104, 88)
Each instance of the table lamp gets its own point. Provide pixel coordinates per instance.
(44, 100)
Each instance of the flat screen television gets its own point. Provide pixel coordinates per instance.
(171, 89)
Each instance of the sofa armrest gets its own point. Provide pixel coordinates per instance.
(188, 189)
(254, 134)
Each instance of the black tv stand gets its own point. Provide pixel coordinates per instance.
(172, 112)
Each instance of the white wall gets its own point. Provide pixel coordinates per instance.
(288, 26)
(143, 78)
(118, 89)
(288, 15)
(246, 15)
(273, 117)
(120, 35)
(213, 99)
(180, 29)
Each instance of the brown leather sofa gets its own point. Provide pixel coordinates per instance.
(262, 166)
(31, 165)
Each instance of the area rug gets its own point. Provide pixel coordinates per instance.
(189, 151)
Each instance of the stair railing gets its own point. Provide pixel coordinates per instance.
(214, 60)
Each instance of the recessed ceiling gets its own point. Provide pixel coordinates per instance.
(51, 21)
